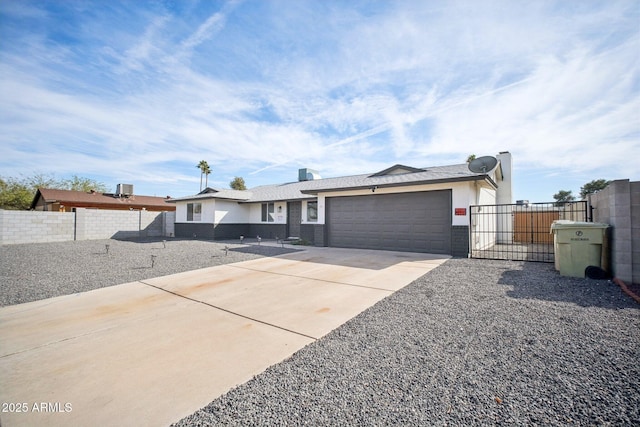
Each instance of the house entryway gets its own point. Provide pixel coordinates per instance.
(294, 219)
(519, 232)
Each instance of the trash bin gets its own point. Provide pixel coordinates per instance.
(578, 245)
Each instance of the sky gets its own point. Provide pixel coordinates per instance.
(139, 92)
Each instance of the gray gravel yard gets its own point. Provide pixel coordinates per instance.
(35, 271)
(473, 342)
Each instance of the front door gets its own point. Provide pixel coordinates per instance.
(294, 218)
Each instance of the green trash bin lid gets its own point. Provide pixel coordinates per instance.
(565, 223)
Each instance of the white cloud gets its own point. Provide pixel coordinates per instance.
(345, 89)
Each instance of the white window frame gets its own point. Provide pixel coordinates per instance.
(194, 212)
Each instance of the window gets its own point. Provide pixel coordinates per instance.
(194, 211)
(312, 211)
(267, 212)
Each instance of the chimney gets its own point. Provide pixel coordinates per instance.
(504, 195)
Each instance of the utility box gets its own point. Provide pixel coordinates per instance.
(578, 245)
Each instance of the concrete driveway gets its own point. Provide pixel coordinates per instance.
(154, 351)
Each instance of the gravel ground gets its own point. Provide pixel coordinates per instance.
(473, 342)
(35, 271)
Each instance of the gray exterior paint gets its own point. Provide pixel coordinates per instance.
(460, 241)
(211, 231)
(267, 231)
(313, 233)
(294, 219)
(230, 231)
(414, 222)
(194, 230)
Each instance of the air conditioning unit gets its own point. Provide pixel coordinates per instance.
(307, 174)
(124, 190)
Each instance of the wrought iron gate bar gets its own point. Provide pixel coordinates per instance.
(519, 232)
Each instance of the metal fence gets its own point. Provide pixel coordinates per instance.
(520, 231)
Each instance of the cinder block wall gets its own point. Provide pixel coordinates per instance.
(84, 224)
(35, 226)
(619, 206)
(103, 224)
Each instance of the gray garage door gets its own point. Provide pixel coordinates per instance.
(414, 222)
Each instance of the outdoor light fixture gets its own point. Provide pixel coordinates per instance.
(279, 209)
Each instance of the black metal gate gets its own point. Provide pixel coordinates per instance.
(519, 232)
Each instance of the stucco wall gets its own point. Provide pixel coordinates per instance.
(230, 212)
(207, 214)
(619, 206)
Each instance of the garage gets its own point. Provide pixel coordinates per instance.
(411, 222)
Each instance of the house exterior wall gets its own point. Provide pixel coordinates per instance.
(228, 219)
(208, 211)
(255, 213)
(268, 230)
(199, 230)
(619, 206)
(462, 194)
(230, 212)
(460, 241)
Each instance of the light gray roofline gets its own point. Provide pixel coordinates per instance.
(203, 197)
(405, 184)
(291, 199)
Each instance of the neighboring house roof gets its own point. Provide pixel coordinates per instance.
(395, 176)
(95, 199)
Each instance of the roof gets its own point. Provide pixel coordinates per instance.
(215, 193)
(71, 197)
(395, 176)
(398, 176)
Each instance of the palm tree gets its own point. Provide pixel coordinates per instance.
(207, 171)
(203, 166)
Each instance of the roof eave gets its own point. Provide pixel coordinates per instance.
(210, 197)
(290, 199)
(406, 184)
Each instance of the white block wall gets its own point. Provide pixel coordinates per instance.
(84, 224)
(35, 226)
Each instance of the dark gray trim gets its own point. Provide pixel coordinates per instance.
(320, 233)
(197, 230)
(313, 233)
(231, 231)
(267, 231)
(307, 232)
(460, 241)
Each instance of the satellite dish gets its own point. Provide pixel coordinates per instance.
(483, 164)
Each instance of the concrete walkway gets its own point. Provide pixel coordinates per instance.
(154, 351)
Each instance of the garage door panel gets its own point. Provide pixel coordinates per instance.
(419, 222)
